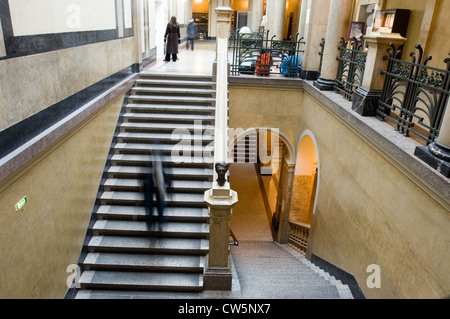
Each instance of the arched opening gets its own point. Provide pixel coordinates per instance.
(304, 192)
(257, 158)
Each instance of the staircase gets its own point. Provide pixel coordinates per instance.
(122, 254)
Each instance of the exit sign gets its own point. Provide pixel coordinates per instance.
(21, 204)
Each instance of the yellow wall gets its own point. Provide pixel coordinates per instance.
(439, 45)
(200, 7)
(53, 76)
(368, 211)
(239, 5)
(417, 8)
(38, 244)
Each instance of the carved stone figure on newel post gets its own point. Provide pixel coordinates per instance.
(221, 170)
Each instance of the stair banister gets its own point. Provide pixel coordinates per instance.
(220, 199)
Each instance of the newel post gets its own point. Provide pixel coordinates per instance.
(220, 198)
(366, 97)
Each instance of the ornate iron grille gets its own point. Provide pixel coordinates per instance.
(414, 95)
(257, 54)
(352, 62)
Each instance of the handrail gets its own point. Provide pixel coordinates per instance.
(235, 241)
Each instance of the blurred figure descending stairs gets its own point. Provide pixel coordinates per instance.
(164, 112)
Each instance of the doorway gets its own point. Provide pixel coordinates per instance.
(304, 193)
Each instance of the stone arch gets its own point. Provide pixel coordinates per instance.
(241, 133)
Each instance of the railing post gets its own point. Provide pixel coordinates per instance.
(366, 97)
(220, 199)
(437, 154)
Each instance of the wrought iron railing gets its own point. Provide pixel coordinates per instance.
(414, 95)
(322, 49)
(298, 236)
(260, 55)
(352, 62)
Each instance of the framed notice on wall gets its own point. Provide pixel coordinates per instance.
(356, 31)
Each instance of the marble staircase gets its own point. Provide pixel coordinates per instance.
(162, 111)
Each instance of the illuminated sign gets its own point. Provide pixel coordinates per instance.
(21, 203)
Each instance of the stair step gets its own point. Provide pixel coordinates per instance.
(168, 118)
(137, 228)
(123, 294)
(137, 198)
(144, 262)
(173, 138)
(180, 214)
(141, 281)
(171, 99)
(168, 91)
(162, 82)
(175, 76)
(172, 172)
(169, 108)
(179, 152)
(143, 160)
(165, 127)
(134, 185)
(148, 245)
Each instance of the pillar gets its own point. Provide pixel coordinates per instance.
(255, 18)
(437, 154)
(220, 199)
(217, 274)
(275, 14)
(366, 97)
(285, 188)
(314, 17)
(338, 23)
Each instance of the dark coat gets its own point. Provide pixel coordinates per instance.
(191, 30)
(173, 36)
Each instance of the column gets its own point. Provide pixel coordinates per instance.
(437, 154)
(313, 30)
(255, 18)
(217, 274)
(275, 14)
(338, 23)
(285, 188)
(220, 199)
(366, 97)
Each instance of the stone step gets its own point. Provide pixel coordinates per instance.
(152, 281)
(164, 138)
(169, 83)
(144, 262)
(148, 245)
(135, 185)
(138, 228)
(171, 92)
(170, 108)
(143, 160)
(137, 198)
(171, 99)
(123, 294)
(183, 173)
(166, 127)
(175, 76)
(175, 214)
(168, 118)
(179, 152)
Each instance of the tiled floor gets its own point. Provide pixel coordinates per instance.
(198, 61)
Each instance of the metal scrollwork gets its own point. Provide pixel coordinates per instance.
(414, 94)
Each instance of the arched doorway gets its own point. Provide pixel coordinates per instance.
(257, 174)
(304, 192)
